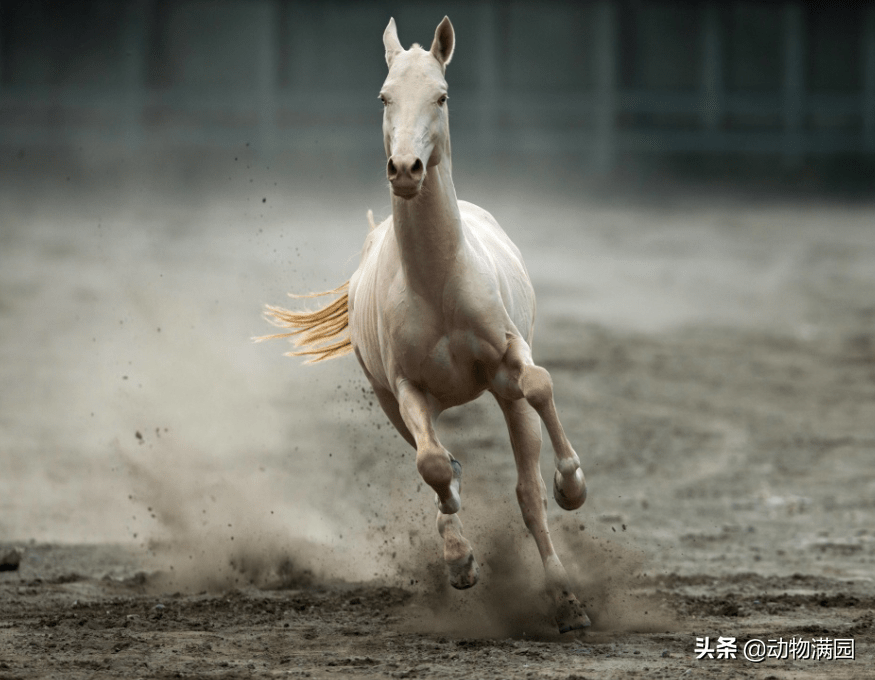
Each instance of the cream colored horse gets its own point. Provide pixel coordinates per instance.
(440, 310)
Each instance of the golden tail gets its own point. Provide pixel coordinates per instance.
(313, 329)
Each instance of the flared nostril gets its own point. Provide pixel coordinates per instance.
(406, 172)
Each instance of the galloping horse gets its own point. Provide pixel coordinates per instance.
(440, 310)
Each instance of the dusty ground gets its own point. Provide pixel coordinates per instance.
(192, 505)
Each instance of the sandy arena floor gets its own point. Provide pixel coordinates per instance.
(190, 504)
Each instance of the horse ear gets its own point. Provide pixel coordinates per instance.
(444, 42)
(391, 42)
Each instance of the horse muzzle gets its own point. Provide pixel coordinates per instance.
(405, 173)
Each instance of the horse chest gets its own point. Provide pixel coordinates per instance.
(452, 366)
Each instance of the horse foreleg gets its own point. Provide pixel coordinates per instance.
(443, 474)
(518, 377)
(434, 462)
(525, 439)
(458, 554)
(390, 408)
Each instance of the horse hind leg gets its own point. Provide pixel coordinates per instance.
(519, 377)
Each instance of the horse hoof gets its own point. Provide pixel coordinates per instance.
(570, 615)
(464, 573)
(573, 499)
(581, 624)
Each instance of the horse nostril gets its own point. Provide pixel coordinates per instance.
(406, 169)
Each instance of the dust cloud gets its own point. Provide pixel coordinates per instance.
(510, 601)
(610, 578)
(207, 527)
(130, 380)
(135, 409)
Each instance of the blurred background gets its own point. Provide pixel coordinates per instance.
(770, 91)
(686, 180)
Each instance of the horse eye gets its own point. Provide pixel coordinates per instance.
(443, 100)
(383, 99)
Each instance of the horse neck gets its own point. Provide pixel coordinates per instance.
(428, 229)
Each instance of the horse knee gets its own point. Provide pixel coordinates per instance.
(433, 464)
(536, 386)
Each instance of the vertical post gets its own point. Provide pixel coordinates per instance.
(794, 83)
(712, 71)
(267, 69)
(869, 81)
(488, 68)
(135, 41)
(305, 34)
(1, 44)
(304, 53)
(604, 44)
(37, 70)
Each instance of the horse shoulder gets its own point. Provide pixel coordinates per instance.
(502, 264)
(370, 252)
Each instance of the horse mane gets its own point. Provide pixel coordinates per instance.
(312, 329)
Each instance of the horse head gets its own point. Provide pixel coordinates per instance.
(416, 129)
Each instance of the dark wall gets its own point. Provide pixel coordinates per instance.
(600, 80)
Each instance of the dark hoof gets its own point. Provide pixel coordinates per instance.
(570, 615)
(576, 625)
(565, 502)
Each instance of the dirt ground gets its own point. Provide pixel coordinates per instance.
(189, 504)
